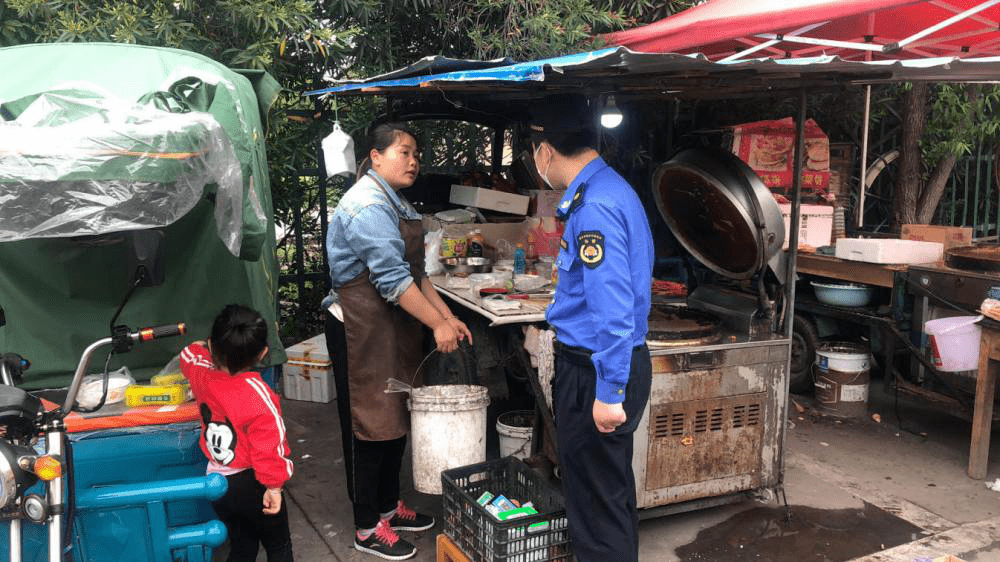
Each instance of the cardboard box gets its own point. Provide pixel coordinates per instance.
(949, 236)
(889, 250)
(545, 202)
(489, 199)
(815, 224)
(308, 375)
(768, 147)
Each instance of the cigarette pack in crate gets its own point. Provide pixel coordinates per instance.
(308, 375)
(540, 537)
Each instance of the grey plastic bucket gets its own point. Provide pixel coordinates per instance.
(447, 429)
(515, 429)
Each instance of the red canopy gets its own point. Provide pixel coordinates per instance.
(851, 29)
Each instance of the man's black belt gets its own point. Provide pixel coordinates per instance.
(579, 352)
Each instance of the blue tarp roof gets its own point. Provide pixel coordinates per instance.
(668, 73)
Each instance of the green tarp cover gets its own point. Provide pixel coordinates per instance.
(59, 293)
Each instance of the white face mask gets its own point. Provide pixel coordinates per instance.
(545, 174)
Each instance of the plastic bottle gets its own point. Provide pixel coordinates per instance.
(519, 260)
(531, 247)
(476, 242)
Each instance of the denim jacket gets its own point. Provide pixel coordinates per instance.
(364, 233)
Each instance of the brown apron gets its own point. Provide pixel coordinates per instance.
(383, 341)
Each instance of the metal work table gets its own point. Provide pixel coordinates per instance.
(533, 309)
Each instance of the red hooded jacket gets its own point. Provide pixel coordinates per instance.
(240, 418)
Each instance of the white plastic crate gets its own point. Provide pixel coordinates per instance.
(889, 250)
(308, 375)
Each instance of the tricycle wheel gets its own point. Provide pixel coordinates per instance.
(804, 340)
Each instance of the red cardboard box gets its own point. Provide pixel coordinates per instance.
(768, 147)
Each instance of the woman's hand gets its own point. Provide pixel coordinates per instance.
(446, 337)
(461, 328)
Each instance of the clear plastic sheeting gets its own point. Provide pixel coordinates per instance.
(79, 162)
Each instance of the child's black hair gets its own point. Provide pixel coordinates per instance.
(239, 335)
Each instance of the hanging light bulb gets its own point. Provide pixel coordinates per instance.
(611, 117)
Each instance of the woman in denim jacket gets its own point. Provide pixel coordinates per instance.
(375, 245)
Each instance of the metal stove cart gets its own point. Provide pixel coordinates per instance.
(713, 423)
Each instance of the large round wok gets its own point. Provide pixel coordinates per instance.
(720, 210)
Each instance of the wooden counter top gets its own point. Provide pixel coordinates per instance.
(878, 274)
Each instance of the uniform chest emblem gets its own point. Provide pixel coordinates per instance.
(591, 248)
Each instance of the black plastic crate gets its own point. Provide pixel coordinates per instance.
(485, 539)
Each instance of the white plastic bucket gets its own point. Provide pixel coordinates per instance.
(842, 379)
(954, 342)
(447, 429)
(515, 429)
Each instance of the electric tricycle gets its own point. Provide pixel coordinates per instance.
(148, 187)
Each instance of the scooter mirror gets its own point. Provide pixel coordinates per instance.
(145, 257)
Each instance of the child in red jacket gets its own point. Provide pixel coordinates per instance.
(243, 434)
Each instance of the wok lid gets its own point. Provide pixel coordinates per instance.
(719, 210)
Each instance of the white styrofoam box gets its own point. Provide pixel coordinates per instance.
(489, 199)
(308, 375)
(311, 382)
(889, 250)
(312, 350)
(815, 224)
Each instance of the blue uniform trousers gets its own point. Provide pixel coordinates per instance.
(596, 468)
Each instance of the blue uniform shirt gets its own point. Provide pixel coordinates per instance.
(364, 232)
(602, 300)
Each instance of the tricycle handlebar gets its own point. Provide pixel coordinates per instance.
(143, 335)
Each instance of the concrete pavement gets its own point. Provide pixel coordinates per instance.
(844, 479)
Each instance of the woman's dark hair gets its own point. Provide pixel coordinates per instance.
(383, 135)
(239, 334)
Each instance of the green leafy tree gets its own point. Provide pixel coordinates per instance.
(940, 124)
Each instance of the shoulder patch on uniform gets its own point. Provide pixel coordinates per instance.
(567, 207)
(591, 248)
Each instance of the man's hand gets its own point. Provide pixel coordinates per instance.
(607, 417)
(272, 501)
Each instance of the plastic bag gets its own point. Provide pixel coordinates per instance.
(92, 388)
(338, 153)
(432, 252)
(172, 366)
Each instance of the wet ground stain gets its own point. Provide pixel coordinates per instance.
(812, 535)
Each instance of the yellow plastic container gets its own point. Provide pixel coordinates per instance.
(155, 395)
(168, 379)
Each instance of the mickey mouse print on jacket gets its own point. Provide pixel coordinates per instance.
(219, 438)
(241, 419)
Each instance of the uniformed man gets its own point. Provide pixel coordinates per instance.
(599, 313)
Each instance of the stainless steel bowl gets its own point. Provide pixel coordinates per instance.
(465, 266)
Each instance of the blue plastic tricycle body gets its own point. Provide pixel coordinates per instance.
(141, 493)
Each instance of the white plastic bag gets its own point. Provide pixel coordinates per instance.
(92, 387)
(432, 252)
(338, 153)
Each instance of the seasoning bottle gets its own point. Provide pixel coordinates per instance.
(519, 259)
(531, 246)
(476, 243)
